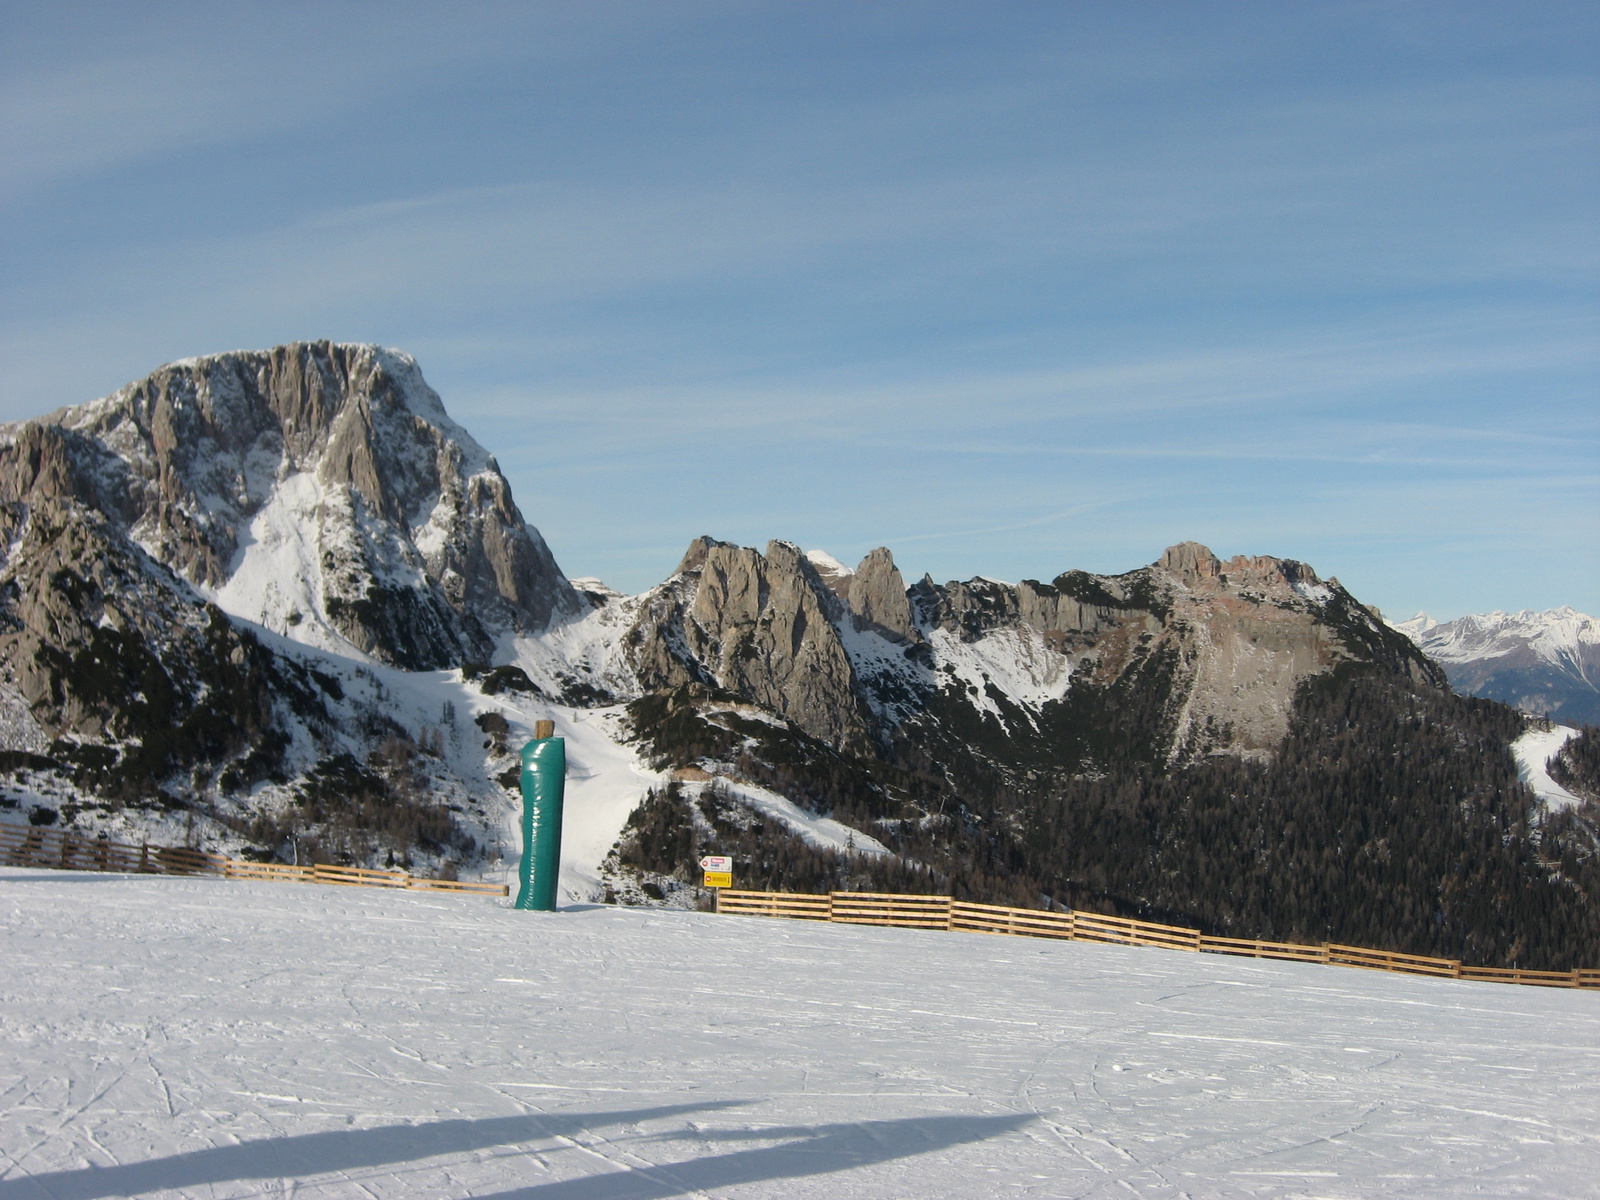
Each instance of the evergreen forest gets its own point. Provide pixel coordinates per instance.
(1391, 817)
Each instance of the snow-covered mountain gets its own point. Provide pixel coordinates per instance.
(1546, 663)
(280, 603)
(250, 591)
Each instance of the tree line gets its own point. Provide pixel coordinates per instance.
(1391, 817)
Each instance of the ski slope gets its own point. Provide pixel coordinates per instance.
(203, 1038)
(1533, 751)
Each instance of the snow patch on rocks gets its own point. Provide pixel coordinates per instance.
(1017, 662)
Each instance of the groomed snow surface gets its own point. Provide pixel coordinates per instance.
(1533, 752)
(204, 1038)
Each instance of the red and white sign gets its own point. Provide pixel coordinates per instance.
(717, 862)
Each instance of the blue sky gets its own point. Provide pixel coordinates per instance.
(1011, 288)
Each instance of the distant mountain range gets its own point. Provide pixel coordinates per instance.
(281, 604)
(1546, 663)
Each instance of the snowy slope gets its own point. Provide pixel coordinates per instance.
(605, 778)
(276, 577)
(605, 782)
(1016, 662)
(1542, 662)
(1559, 636)
(199, 1038)
(1532, 751)
(1416, 628)
(820, 833)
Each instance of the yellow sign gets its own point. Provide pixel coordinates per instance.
(718, 879)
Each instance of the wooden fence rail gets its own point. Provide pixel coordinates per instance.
(941, 912)
(28, 846)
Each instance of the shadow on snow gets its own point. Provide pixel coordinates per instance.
(805, 1150)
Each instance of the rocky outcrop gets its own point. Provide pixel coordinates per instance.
(1190, 563)
(417, 551)
(1226, 644)
(129, 674)
(763, 624)
(877, 598)
(1074, 610)
(759, 625)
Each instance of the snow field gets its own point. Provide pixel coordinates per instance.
(204, 1038)
(1532, 751)
(606, 781)
(1016, 661)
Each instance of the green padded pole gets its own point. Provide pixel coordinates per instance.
(544, 780)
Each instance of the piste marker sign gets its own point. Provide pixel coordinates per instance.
(718, 870)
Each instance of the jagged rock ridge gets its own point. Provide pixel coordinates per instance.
(273, 588)
(854, 657)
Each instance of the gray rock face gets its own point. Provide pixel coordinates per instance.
(317, 491)
(1225, 644)
(878, 601)
(1073, 611)
(1190, 563)
(760, 625)
(418, 551)
(104, 646)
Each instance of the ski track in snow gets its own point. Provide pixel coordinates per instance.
(201, 1038)
(1532, 750)
(605, 783)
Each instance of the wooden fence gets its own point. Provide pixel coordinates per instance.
(27, 846)
(30, 846)
(941, 912)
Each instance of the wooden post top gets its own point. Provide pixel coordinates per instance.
(544, 729)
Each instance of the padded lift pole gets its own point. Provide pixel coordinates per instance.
(544, 779)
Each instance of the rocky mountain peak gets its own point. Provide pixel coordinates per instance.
(1191, 562)
(317, 489)
(878, 601)
(1195, 565)
(758, 624)
(695, 556)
